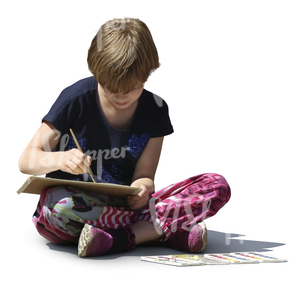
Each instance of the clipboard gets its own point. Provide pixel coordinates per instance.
(35, 184)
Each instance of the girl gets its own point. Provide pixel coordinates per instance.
(120, 127)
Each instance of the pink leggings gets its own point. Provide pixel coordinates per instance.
(62, 212)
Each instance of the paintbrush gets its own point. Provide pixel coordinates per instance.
(79, 148)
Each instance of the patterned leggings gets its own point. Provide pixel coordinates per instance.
(62, 212)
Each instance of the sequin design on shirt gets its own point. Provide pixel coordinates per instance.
(111, 178)
(136, 144)
(82, 142)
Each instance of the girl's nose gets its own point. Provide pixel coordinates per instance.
(121, 95)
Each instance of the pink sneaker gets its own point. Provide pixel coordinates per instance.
(193, 241)
(93, 241)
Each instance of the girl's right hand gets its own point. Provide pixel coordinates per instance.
(38, 158)
(74, 161)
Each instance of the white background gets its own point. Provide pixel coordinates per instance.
(230, 75)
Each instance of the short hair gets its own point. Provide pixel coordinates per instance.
(122, 55)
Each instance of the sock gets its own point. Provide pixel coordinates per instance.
(123, 240)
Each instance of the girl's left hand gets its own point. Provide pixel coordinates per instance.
(140, 200)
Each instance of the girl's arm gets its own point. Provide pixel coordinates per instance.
(144, 173)
(37, 158)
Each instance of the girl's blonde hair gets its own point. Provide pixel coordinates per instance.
(122, 55)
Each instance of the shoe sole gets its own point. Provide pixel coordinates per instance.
(85, 240)
(204, 236)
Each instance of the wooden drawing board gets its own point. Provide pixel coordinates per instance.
(34, 185)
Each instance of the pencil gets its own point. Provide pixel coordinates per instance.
(79, 148)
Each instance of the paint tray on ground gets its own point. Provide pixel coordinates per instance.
(213, 259)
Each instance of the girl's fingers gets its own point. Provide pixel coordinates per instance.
(138, 201)
(79, 162)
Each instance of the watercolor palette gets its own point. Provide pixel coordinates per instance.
(213, 259)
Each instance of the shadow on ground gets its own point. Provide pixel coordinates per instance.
(218, 242)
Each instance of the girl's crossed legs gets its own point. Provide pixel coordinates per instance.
(172, 215)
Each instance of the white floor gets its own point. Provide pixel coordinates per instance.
(34, 267)
(230, 75)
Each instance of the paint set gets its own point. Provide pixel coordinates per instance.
(214, 259)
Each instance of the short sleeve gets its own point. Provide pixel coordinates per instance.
(64, 112)
(162, 123)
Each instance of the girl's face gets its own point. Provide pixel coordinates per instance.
(121, 100)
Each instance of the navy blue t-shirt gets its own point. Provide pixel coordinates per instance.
(114, 152)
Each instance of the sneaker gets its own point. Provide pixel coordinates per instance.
(93, 241)
(193, 241)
